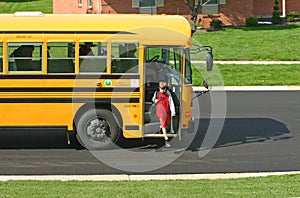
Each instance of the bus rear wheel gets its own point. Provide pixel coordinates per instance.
(97, 129)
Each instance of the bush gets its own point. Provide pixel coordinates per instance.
(276, 14)
(217, 24)
(276, 17)
(292, 16)
(252, 21)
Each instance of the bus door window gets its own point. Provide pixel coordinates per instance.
(1, 57)
(167, 60)
(125, 58)
(175, 58)
(61, 57)
(93, 56)
(188, 67)
(25, 56)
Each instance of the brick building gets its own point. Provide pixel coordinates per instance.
(230, 12)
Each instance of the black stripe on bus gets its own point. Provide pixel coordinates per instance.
(63, 32)
(70, 100)
(72, 76)
(67, 89)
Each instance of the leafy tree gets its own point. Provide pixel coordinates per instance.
(194, 7)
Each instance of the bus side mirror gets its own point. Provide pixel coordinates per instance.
(209, 61)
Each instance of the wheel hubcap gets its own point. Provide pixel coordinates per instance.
(98, 130)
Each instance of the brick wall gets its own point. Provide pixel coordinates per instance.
(234, 12)
(114, 6)
(67, 7)
(264, 8)
(292, 5)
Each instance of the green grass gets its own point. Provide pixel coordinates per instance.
(248, 75)
(272, 186)
(12, 6)
(261, 43)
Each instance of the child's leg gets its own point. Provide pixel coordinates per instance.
(167, 143)
(163, 127)
(164, 130)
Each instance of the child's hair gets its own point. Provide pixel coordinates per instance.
(162, 85)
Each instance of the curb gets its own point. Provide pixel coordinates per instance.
(248, 88)
(252, 62)
(141, 177)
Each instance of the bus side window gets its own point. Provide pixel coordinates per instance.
(25, 56)
(61, 57)
(93, 57)
(125, 58)
(1, 57)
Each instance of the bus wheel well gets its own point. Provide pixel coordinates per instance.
(109, 107)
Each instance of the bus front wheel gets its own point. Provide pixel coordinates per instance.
(97, 129)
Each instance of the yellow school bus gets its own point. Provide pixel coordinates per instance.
(93, 74)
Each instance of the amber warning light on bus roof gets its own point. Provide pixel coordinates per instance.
(19, 14)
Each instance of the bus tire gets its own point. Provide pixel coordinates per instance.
(97, 129)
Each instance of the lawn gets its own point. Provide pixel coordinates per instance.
(247, 75)
(260, 43)
(11, 6)
(271, 186)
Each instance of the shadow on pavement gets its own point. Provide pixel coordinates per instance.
(235, 131)
(38, 138)
(242, 131)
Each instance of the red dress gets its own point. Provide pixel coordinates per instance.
(163, 109)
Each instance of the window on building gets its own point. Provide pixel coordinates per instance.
(80, 2)
(25, 56)
(209, 2)
(210, 6)
(147, 6)
(61, 57)
(93, 57)
(147, 3)
(125, 57)
(90, 3)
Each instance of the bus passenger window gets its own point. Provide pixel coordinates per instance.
(93, 57)
(125, 57)
(1, 57)
(61, 57)
(25, 56)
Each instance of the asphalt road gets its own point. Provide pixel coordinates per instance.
(260, 132)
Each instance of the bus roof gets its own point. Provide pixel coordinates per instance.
(158, 27)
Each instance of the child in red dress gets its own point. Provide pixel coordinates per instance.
(164, 109)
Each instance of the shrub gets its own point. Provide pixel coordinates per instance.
(252, 21)
(292, 16)
(276, 14)
(217, 24)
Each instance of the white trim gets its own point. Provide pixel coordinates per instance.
(252, 62)
(125, 177)
(248, 88)
(283, 9)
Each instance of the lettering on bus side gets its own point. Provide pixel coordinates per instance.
(24, 36)
(131, 105)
